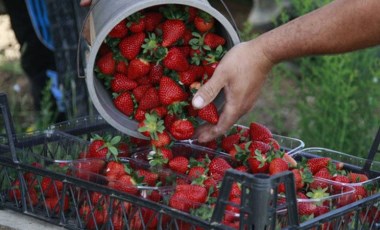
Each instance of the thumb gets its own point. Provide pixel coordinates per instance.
(208, 92)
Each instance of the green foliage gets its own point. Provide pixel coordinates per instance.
(47, 114)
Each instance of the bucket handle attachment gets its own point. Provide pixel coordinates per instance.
(80, 53)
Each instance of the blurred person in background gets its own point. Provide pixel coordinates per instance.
(36, 58)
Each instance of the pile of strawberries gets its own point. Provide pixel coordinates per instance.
(155, 60)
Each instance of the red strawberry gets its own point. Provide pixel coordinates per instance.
(306, 208)
(97, 149)
(150, 178)
(316, 164)
(150, 100)
(139, 115)
(145, 80)
(119, 31)
(210, 68)
(194, 193)
(258, 163)
(51, 187)
(182, 129)
(161, 111)
(259, 132)
(180, 202)
(93, 165)
(138, 68)
(323, 173)
(188, 77)
(121, 83)
(124, 103)
(179, 164)
(218, 166)
(192, 13)
(209, 113)
(136, 23)
(360, 192)
(273, 143)
(162, 141)
(277, 165)
(140, 91)
(357, 177)
(130, 46)
(204, 22)
(172, 31)
(114, 170)
(106, 64)
(53, 204)
(213, 40)
(175, 60)
(259, 146)
(170, 92)
(152, 19)
(338, 188)
(125, 183)
(122, 67)
(156, 72)
(166, 153)
(228, 142)
(196, 172)
(298, 179)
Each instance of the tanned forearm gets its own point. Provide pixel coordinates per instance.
(341, 26)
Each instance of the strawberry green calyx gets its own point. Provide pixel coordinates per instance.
(173, 12)
(319, 193)
(136, 17)
(152, 124)
(156, 158)
(216, 55)
(205, 16)
(243, 153)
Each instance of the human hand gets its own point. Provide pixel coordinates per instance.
(242, 73)
(85, 2)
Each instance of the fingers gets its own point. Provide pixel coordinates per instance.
(208, 92)
(85, 2)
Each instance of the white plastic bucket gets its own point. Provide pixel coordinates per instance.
(104, 15)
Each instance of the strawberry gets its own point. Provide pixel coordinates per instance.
(188, 77)
(228, 142)
(172, 31)
(235, 191)
(149, 178)
(277, 165)
(182, 129)
(93, 165)
(106, 64)
(298, 179)
(161, 111)
(195, 193)
(166, 153)
(196, 172)
(138, 68)
(213, 40)
(130, 46)
(169, 91)
(51, 187)
(155, 74)
(306, 208)
(203, 22)
(150, 100)
(259, 132)
(338, 188)
(145, 80)
(120, 30)
(323, 173)
(97, 149)
(114, 170)
(179, 201)
(273, 143)
(179, 164)
(136, 23)
(176, 60)
(121, 83)
(152, 20)
(191, 12)
(124, 103)
(125, 183)
(53, 205)
(162, 141)
(140, 91)
(139, 115)
(210, 68)
(316, 164)
(357, 177)
(258, 163)
(259, 146)
(218, 166)
(360, 192)
(209, 113)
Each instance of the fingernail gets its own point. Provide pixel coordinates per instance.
(198, 102)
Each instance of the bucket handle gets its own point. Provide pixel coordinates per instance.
(80, 57)
(233, 21)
